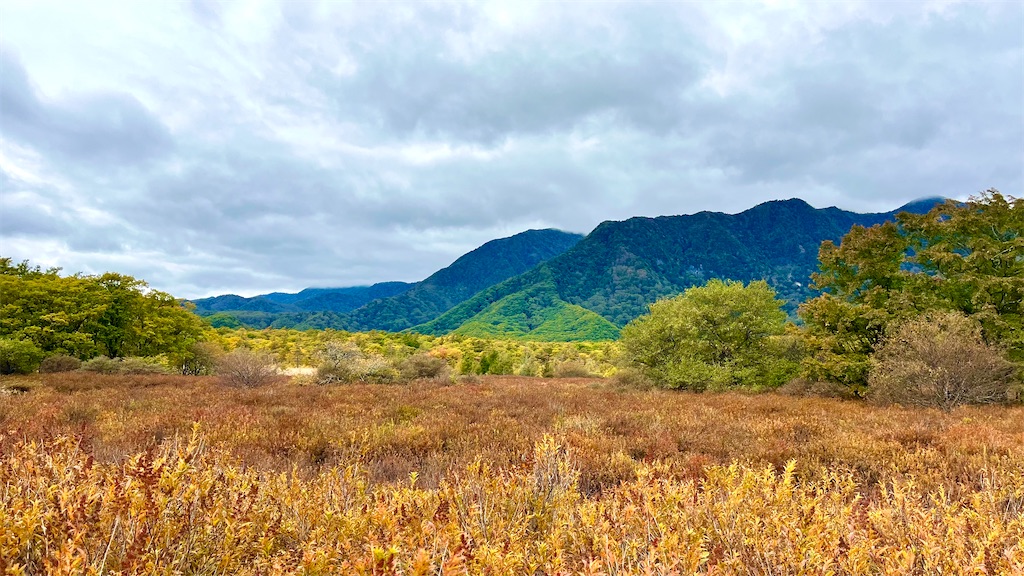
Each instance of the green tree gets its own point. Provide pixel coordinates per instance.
(717, 336)
(85, 316)
(966, 257)
(19, 356)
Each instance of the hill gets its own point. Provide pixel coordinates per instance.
(489, 264)
(538, 314)
(309, 300)
(392, 306)
(621, 267)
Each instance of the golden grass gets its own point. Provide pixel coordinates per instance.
(505, 475)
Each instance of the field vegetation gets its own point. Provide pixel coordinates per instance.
(503, 475)
(137, 439)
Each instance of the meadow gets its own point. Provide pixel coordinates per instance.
(159, 474)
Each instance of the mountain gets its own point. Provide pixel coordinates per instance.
(621, 267)
(308, 300)
(391, 306)
(207, 306)
(539, 315)
(489, 264)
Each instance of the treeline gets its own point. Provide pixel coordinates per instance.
(114, 322)
(923, 310)
(461, 355)
(113, 315)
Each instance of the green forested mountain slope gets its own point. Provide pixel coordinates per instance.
(489, 264)
(392, 305)
(538, 314)
(621, 267)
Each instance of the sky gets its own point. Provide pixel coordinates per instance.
(250, 147)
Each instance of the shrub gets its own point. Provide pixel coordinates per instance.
(102, 365)
(939, 360)
(344, 362)
(60, 363)
(19, 356)
(632, 378)
(330, 373)
(198, 359)
(140, 365)
(422, 366)
(571, 369)
(244, 368)
(338, 363)
(378, 370)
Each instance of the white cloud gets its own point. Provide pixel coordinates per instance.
(246, 147)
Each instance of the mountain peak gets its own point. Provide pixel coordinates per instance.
(921, 205)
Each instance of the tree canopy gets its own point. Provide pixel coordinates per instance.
(966, 257)
(86, 316)
(720, 335)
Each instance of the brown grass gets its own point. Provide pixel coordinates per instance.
(507, 475)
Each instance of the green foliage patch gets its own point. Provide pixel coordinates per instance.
(87, 316)
(718, 336)
(538, 314)
(965, 257)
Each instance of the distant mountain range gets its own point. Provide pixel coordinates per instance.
(391, 306)
(552, 285)
(621, 267)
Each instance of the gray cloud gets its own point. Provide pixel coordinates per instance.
(219, 147)
(109, 127)
(415, 77)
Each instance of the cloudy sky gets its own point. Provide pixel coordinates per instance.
(246, 147)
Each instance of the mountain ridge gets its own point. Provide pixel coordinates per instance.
(391, 306)
(623, 266)
(569, 282)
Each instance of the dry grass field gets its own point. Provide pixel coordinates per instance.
(498, 475)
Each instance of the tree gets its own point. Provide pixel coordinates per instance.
(58, 314)
(717, 336)
(198, 359)
(19, 356)
(86, 316)
(966, 257)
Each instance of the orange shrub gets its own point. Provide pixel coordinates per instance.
(506, 475)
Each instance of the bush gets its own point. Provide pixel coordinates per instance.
(198, 359)
(331, 373)
(338, 363)
(140, 365)
(102, 365)
(244, 368)
(19, 356)
(60, 363)
(378, 370)
(344, 362)
(632, 378)
(571, 369)
(422, 366)
(940, 361)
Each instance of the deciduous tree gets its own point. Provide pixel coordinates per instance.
(86, 316)
(716, 336)
(966, 257)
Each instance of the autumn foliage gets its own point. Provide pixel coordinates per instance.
(158, 474)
